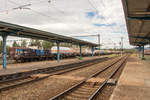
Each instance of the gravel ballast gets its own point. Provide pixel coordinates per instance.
(47, 88)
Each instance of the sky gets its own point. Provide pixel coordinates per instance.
(71, 18)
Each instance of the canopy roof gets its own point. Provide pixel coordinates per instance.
(137, 14)
(26, 32)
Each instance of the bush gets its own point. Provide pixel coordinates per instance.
(143, 58)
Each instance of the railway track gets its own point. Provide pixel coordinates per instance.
(24, 79)
(86, 90)
(24, 74)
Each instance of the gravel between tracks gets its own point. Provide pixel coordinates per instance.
(41, 90)
(48, 88)
(22, 67)
(84, 72)
(108, 89)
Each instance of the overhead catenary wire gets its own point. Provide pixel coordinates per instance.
(13, 2)
(92, 5)
(97, 12)
(50, 17)
(42, 14)
(36, 12)
(22, 7)
(103, 5)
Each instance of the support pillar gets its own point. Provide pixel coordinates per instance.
(139, 51)
(92, 51)
(58, 51)
(143, 51)
(4, 36)
(99, 43)
(80, 50)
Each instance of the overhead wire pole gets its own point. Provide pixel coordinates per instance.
(121, 46)
(99, 43)
(98, 36)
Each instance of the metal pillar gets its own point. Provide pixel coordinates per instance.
(121, 46)
(139, 51)
(58, 51)
(143, 51)
(4, 36)
(92, 51)
(80, 50)
(99, 43)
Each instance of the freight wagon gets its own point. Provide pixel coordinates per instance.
(27, 54)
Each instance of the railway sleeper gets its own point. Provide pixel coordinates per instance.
(82, 92)
(13, 84)
(79, 96)
(73, 98)
(45, 70)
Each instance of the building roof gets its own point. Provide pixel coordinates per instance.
(137, 14)
(26, 32)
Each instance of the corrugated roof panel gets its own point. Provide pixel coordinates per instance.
(137, 14)
(21, 31)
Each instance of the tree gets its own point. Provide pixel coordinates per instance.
(15, 44)
(32, 43)
(35, 43)
(1, 47)
(8, 50)
(23, 43)
(47, 45)
(66, 44)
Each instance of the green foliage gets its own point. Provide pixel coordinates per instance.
(23, 43)
(80, 58)
(47, 45)
(15, 44)
(32, 43)
(143, 58)
(1, 47)
(8, 50)
(35, 43)
(66, 44)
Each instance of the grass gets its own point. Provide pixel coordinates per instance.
(14, 98)
(143, 58)
(80, 58)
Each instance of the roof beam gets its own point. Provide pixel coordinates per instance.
(21, 31)
(148, 38)
(142, 13)
(139, 43)
(138, 18)
(4, 29)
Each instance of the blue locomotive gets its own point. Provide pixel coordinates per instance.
(28, 54)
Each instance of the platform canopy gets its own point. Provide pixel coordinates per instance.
(26, 32)
(137, 14)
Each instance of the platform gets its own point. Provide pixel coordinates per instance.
(134, 82)
(29, 66)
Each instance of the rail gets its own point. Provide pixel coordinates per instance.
(84, 81)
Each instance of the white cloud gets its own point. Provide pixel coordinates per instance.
(68, 17)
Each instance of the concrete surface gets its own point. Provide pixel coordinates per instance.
(134, 82)
(23, 67)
